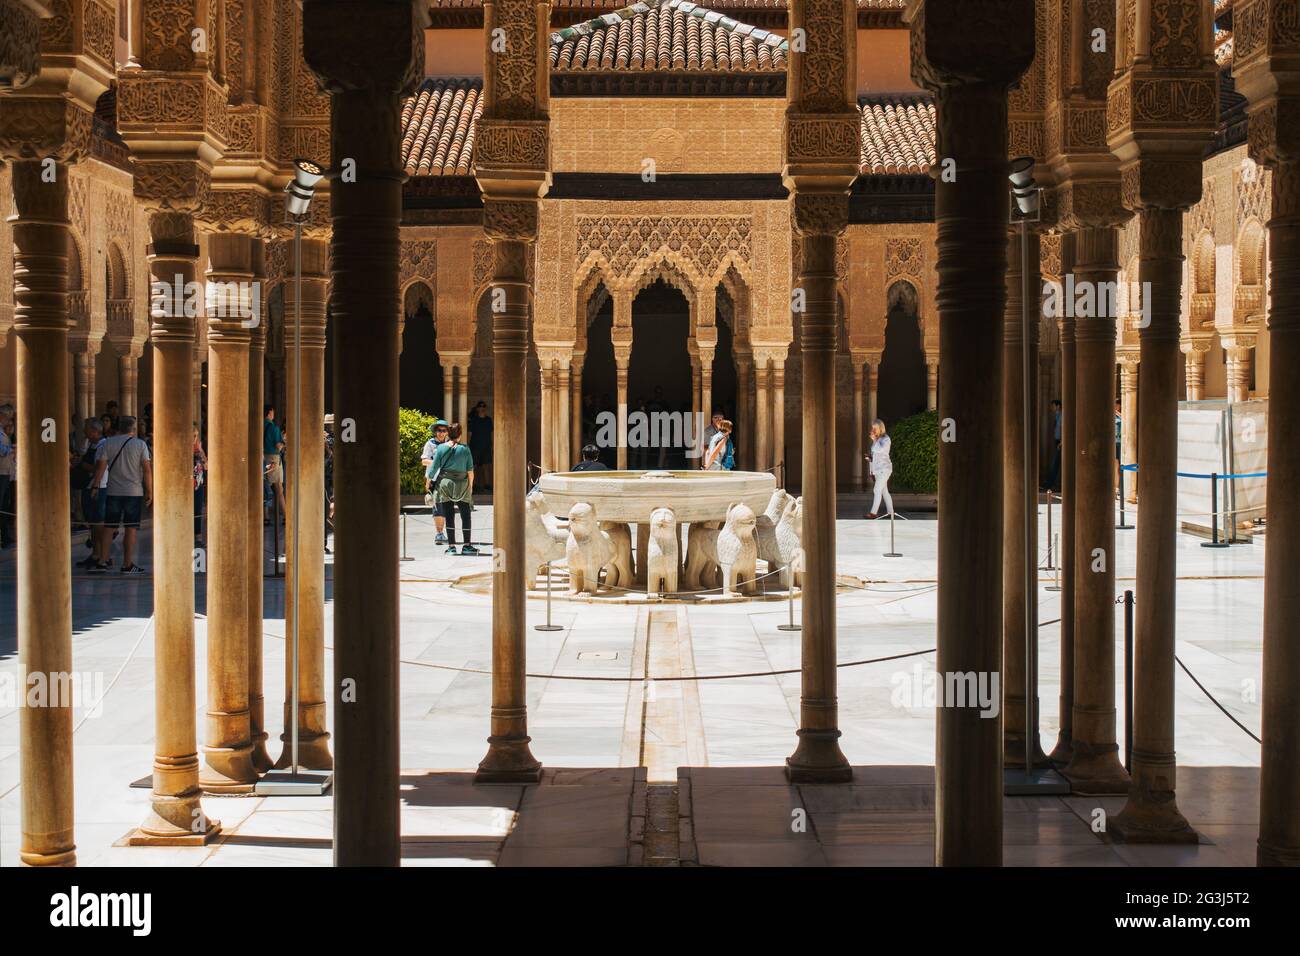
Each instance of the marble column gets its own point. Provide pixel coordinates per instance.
(83, 355)
(369, 56)
(1094, 766)
(255, 535)
(931, 382)
(858, 424)
(41, 325)
(971, 213)
(462, 389)
(307, 443)
(778, 422)
(1128, 409)
(512, 227)
(1065, 553)
(1238, 371)
(128, 377)
(575, 408)
(1194, 370)
(621, 337)
(175, 817)
(873, 387)
(762, 414)
(549, 418)
(227, 751)
(1016, 715)
(744, 411)
(818, 220)
(563, 459)
(448, 391)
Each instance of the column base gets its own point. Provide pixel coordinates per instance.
(818, 759)
(509, 760)
(313, 753)
(261, 756)
(1013, 754)
(1268, 854)
(1154, 818)
(228, 770)
(1063, 752)
(64, 858)
(1098, 773)
(172, 822)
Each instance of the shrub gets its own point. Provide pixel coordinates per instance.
(914, 449)
(412, 432)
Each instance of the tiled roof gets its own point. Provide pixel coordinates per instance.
(1222, 46)
(897, 134)
(666, 35)
(438, 127)
(724, 4)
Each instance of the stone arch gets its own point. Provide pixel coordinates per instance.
(420, 372)
(902, 378)
(117, 276)
(78, 283)
(1248, 300)
(674, 269)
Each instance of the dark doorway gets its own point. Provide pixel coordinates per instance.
(902, 388)
(659, 376)
(420, 377)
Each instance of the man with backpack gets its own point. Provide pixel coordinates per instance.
(123, 464)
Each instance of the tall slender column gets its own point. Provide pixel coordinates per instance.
(462, 389)
(1016, 715)
(548, 414)
(1161, 168)
(1064, 748)
(1264, 70)
(873, 386)
(41, 324)
(128, 377)
(308, 438)
(175, 817)
(1194, 368)
(971, 212)
(931, 382)
(228, 750)
(368, 56)
(254, 534)
(1128, 408)
(744, 410)
(858, 424)
(778, 422)
(448, 391)
(84, 361)
(1094, 765)
(819, 218)
(561, 439)
(621, 337)
(575, 411)
(1238, 354)
(196, 381)
(762, 413)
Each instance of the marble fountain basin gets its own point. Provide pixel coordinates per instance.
(630, 496)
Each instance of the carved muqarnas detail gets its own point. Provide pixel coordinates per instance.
(510, 220)
(624, 241)
(820, 214)
(419, 261)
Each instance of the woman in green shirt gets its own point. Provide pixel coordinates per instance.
(452, 471)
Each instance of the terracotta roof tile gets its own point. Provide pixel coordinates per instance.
(438, 124)
(673, 35)
(1222, 46)
(897, 134)
(723, 4)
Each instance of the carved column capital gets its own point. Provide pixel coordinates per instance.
(945, 53)
(352, 45)
(20, 43)
(510, 219)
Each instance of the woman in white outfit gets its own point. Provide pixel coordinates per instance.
(881, 468)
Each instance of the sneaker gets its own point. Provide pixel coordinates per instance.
(132, 569)
(440, 538)
(87, 564)
(101, 568)
(468, 549)
(451, 550)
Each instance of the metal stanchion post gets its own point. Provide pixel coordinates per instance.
(548, 626)
(1056, 571)
(1123, 522)
(791, 626)
(1214, 541)
(1128, 680)
(891, 553)
(1050, 552)
(405, 556)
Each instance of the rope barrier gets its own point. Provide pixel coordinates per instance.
(1215, 702)
(1193, 474)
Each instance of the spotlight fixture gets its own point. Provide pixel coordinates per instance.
(302, 187)
(1023, 188)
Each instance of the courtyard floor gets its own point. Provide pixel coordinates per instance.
(663, 771)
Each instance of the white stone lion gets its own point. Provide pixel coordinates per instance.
(545, 537)
(662, 552)
(590, 548)
(731, 551)
(765, 529)
(789, 539)
(618, 573)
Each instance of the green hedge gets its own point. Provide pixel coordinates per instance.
(914, 450)
(413, 432)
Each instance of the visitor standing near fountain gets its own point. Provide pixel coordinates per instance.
(590, 460)
(715, 457)
(881, 468)
(437, 435)
(452, 480)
